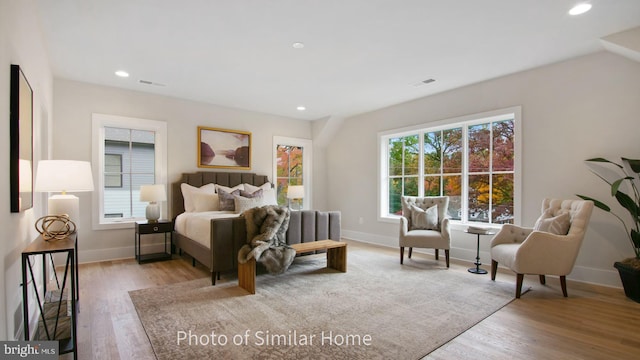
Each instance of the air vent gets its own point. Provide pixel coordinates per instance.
(147, 82)
(423, 82)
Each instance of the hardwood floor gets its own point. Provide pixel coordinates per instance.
(592, 323)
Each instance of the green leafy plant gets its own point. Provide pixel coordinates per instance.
(629, 201)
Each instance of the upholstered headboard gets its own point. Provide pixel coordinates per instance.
(200, 178)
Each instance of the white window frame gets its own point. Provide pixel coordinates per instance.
(99, 123)
(307, 162)
(464, 122)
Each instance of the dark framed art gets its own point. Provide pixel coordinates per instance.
(222, 148)
(21, 141)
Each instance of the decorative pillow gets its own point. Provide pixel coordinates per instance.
(228, 189)
(188, 191)
(558, 224)
(205, 202)
(268, 192)
(253, 194)
(227, 202)
(253, 188)
(424, 219)
(243, 203)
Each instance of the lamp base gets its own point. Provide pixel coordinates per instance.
(152, 212)
(64, 204)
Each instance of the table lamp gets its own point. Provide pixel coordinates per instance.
(64, 176)
(295, 192)
(153, 194)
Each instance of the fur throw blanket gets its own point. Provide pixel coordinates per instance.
(266, 229)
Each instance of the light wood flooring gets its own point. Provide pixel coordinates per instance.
(592, 323)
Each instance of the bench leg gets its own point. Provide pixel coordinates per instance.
(337, 258)
(247, 275)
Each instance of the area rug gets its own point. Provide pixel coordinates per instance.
(378, 309)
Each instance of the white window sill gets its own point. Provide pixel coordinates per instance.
(454, 224)
(124, 224)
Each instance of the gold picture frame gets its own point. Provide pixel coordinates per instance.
(223, 148)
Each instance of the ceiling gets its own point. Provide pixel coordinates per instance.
(358, 55)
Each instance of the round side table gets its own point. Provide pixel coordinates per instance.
(477, 270)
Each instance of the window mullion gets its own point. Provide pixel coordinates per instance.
(421, 164)
(491, 172)
(464, 193)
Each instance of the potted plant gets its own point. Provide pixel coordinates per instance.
(628, 173)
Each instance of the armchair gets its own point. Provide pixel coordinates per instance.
(433, 234)
(549, 252)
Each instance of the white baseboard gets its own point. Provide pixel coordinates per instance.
(128, 252)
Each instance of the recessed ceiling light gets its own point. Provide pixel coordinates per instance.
(298, 45)
(580, 9)
(122, 73)
(301, 108)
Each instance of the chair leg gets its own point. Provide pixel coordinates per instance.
(437, 254)
(410, 252)
(213, 278)
(519, 280)
(563, 284)
(494, 269)
(446, 256)
(543, 280)
(401, 254)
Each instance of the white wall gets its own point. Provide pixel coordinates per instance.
(75, 102)
(573, 110)
(21, 44)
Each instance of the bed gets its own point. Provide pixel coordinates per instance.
(217, 247)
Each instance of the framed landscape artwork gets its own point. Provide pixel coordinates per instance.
(21, 141)
(226, 149)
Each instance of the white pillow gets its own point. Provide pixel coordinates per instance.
(188, 191)
(228, 189)
(268, 192)
(242, 203)
(252, 188)
(205, 202)
(558, 224)
(424, 219)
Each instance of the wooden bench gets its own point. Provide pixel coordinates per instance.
(336, 259)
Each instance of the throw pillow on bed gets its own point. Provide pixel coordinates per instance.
(268, 192)
(228, 189)
(188, 192)
(245, 203)
(205, 202)
(250, 195)
(227, 202)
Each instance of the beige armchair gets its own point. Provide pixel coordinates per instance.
(548, 252)
(415, 232)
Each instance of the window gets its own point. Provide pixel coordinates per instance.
(292, 166)
(474, 160)
(113, 170)
(127, 153)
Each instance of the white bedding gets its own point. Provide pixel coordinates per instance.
(197, 225)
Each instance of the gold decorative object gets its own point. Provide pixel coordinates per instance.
(55, 227)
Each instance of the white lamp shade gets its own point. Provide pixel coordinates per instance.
(64, 176)
(153, 193)
(295, 192)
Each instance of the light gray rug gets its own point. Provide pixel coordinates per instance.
(378, 309)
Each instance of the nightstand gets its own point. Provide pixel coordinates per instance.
(160, 227)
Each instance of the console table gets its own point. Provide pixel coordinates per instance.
(51, 325)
